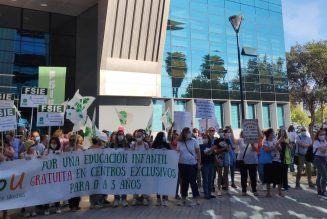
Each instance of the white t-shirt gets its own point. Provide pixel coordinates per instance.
(138, 147)
(318, 144)
(187, 155)
(275, 154)
(251, 156)
(292, 136)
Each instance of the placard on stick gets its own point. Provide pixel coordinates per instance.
(7, 100)
(8, 119)
(250, 131)
(33, 97)
(50, 115)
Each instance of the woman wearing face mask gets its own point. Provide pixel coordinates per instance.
(74, 146)
(273, 171)
(189, 163)
(30, 152)
(303, 142)
(207, 169)
(173, 146)
(232, 156)
(222, 160)
(120, 142)
(285, 156)
(320, 151)
(140, 145)
(54, 148)
(160, 142)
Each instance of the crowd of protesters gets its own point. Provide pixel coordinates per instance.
(207, 161)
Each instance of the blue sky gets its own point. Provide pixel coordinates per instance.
(304, 20)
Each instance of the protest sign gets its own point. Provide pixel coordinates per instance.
(99, 171)
(33, 97)
(182, 120)
(55, 79)
(207, 123)
(250, 131)
(205, 109)
(50, 115)
(7, 120)
(7, 100)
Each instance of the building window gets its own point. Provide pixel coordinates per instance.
(280, 116)
(251, 111)
(235, 114)
(266, 116)
(158, 110)
(180, 105)
(219, 113)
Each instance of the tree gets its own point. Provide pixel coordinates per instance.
(298, 116)
(306, 72)
(318, 116)
(212, 75)
(176, 68)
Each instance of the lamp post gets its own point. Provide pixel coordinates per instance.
(236, 21)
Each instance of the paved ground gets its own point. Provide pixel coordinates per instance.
(296, 204)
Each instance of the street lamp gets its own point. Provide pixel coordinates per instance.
(236, 21)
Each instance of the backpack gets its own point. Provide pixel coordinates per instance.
(309, 156)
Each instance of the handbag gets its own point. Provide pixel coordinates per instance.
(240, 163)
(309, 156)
(264, 157)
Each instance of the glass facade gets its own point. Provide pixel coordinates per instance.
(29, 39)
(251, 111)
(158, 111)
(280, 116)
(200, 56)
(235, 115)
(266, 115)
(219, 113)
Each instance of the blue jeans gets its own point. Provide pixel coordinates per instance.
(207, 178)
(320, 163)
(188, 176)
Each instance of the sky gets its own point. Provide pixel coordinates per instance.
(304, 20)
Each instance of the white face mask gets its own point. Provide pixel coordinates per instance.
(188, 136)
(139, 139)
(120, 137)
(53, 146)
(321, 137)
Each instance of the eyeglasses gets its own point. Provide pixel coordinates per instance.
(212, 130)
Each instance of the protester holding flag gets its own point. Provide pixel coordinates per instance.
(120, 143)
(160, 142)
(140, 145)
(54, 148)
(188, 165)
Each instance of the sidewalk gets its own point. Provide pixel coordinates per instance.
(296, 204)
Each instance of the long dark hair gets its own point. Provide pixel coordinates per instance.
(182, 136)
(57, 143)
(269, 132)
(318, 132)
(158, 141)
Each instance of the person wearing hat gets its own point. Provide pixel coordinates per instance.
(119, 142)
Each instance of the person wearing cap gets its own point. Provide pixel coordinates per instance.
(120, 142)
(303, 142)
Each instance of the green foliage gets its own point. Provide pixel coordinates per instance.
(298, 116)
(318, 114)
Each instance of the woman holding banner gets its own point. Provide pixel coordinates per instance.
(54, 148)
(188, 165)
(120, 142)
(160, 142)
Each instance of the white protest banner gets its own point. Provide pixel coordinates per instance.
(207, 123)
(72, 174)
(205, 109)
(250, 131)
(7, 100)
(33, 97)
(182, 120)
(50, 115)
(8, 120)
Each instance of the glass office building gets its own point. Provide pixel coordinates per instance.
(147, 56)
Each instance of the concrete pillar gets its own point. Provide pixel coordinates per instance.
(190, 107)
(258, 115)
(227, 113)
(169, 104)
(245, 110)
(273, 116)
(287, 115)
